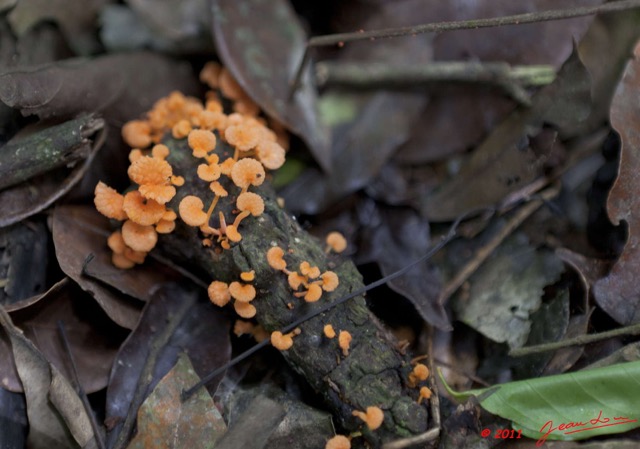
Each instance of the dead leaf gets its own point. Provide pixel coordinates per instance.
(78, 24)
(73, 249)
(502, 164)
(33, 196)
(203, 334)
(262, 43)
(23, 249)
(506, 290)
(165, 422)
(253, 427)
(13, 420)
(617, 294)
(94, 339)
(57, 418)
(80, 236)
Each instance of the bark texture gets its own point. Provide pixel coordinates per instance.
(373, 373)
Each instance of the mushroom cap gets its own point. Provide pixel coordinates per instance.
(336, 241)
(149, 170)
(275, 258)
(344, 341)
(227, 165)
(373, 417)
(115, 242)
(191, 211)
(201, 141)
(307, 270)
(160, 151)
(281, 342)
(137, 133)
(241, 327)
(296, 280)
(425, 392)
(251, 202)
(242, 292)
(142, 211)
(121, 261)
(248, 276)
(313, 293)
(109, 202)
(246, 172)
(271, 154)
(328, 330)
(229, 86)
(330, 281)
(209, 172)
(242, 136)
(232, 233)
(338, 442)
(139, 237)
(165, 226)
(181, 129)
(159, 193)
(212, 119)
(219, 293)
(135, 256)
(420, 371)
(217, 188)
(210, 74)
(244, 309)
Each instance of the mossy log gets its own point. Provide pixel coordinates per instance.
(373, 373)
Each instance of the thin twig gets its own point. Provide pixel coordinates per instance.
(97, 431)
(498, 74)
(146, 375)
(451, 234)
(485, 251)
(577, 341)
(518, 19)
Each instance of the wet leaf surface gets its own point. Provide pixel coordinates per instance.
(203, 334)
(56, 416)
(506, 290)
(164, 421)
(74, 249)
(261, 43)
(617, 293)
(23, 249)
(503, 163)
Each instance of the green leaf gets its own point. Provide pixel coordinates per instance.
(571, 406)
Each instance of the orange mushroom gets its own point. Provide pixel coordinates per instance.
(242, 292)
(336, 242)
(229, 86)
(283, 342)
(419, 374)
(344, 341)
(160, 151)
(109, 202)
(242, 136)
(338, 442)
(219, 293)
(330, 281)
(137, 133)
(307, 270)
(181, 129)
(139, 237)
(271, 154)
(373, 417)
(248, 276)
(425, 393)
(142, 211)
(201, 141)
(275, 258)
(244, 309)
(329, 332)
(191, 211)
(247, 172)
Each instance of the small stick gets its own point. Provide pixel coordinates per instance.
(576, 341)
(518, 19)
(484, 252)
(83, 395)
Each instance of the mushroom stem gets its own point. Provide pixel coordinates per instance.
(212, 206)
(241, 217)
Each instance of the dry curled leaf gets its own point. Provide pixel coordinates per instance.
(617, 293)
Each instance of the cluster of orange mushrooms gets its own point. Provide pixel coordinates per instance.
(257, 148)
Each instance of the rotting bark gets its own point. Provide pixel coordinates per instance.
(51, 148)
(373, 373)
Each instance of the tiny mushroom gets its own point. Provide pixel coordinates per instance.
(137, 133)
(344, 341)
(242, 292)
(373, 417)
(283, 342)
(109, 202)
(246, 172)
(330, 281)
(139, 237)
(420, 373)
(271, 154)
(191, 211)
(275, 258)
(329, 332)
(201, 141)
(248, 276)
(336, 242)
(244, 309)
(425, 393)
(142, 211)
(338, 442)
(219, 293)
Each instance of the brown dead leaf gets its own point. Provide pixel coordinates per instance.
(57, 419)
(617, 294)
(73, 250)
(261, 43)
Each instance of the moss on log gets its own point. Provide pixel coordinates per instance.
(373, 373)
